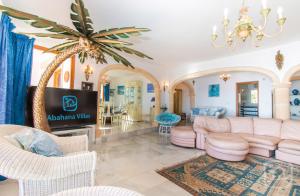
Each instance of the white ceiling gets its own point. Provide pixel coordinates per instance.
(181, 29)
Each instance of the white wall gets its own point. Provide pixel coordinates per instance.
(40, 62)
(261, 58)
(228, 92)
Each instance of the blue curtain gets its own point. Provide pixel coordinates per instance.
(15, 71)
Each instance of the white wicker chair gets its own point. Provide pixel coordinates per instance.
(99, 191)
(39, 175)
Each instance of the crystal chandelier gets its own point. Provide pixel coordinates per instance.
(245, 28)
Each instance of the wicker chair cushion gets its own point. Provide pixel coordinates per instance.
(38, 142)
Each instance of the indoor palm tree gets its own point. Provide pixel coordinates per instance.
(85, 42)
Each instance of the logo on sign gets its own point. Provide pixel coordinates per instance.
(70, 103)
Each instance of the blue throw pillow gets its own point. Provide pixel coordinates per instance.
(203, 111)
(45, 145)
(195, 111)
(39, 142)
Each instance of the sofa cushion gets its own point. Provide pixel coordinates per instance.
(203, 111)
(241, 125)
(290, 144)
(269, 127)
(261, 139)
(290, 130)
(212, 111)
(227, 141)
(263, 146)
(217, 125)
(227, 151)
(199, 122)
(289, 151)
(183, 132)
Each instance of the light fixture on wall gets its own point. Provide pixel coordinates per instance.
(165, 85)
(88, 72)
(244, 27)
(225, 77)
(193, 82)
(279, 58)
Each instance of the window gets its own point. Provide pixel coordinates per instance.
(254, 96)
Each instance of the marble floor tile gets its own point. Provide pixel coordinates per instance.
(132, 163)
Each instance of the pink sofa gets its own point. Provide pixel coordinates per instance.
(264, 136)
(289, 146)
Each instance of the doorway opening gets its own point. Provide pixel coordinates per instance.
(178, 101)
(247, 99)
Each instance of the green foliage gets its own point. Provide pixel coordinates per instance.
(81, 18)
(105, 41)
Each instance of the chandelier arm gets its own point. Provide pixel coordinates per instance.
(275, 35)
(264, 23)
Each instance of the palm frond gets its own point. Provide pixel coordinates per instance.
(52, 35)
(112, 42)
(82, 56)
(39, 22)
(116, 33)
(132, 51)
(81, 18)
(63, 46)
(118, 58)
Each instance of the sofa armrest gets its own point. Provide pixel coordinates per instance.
(200, 130)
(201, 134)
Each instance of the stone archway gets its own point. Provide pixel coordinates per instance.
(269, 73)
(284, 91)
(191, 92)
(289, 74)
(140, 71)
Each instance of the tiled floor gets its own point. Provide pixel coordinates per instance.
(131, 163)
(124, 127)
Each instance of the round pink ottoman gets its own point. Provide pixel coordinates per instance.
(226, 146)
(183, 136)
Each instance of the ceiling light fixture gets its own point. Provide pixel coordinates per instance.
(225, 77)
(245, 27)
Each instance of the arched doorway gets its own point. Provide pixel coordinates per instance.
(118, 67)
(292, 92)
(184, 96)
(268, 73)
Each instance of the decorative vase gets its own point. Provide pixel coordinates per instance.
(297, 101)
(295, 92)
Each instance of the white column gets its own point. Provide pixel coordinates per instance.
(281, 100)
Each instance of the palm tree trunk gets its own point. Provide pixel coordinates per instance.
(40, 120)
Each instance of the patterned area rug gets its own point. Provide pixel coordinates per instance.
(257, 176)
